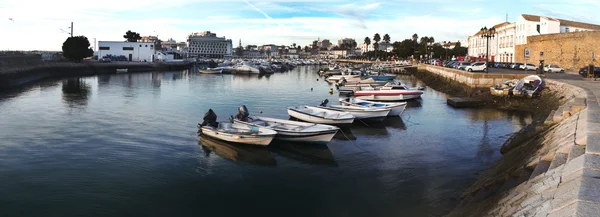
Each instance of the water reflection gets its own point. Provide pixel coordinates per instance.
(344, 134)
(75, 92)
(395, 123)
(237, 152)
(485, 152)
(369, 128)
(304, 152)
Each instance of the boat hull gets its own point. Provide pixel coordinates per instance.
(375, 96)
(321, 136)
(376, 115)
(210, 71)
(316, 119)
(261, 140)
(395, 110)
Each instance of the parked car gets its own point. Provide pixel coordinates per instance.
(515, 65)
(553, 68)
(528, 66)
(104, 60)
(584, 71)
(462, 65)
(480, 66)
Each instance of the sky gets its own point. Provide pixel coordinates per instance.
(42, 25)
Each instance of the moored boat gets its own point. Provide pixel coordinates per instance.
(530, 86)
(210, 71)
(389, 92)
(289, 130)
(396, 109)
(320, 116)
(122, 70)
(360, 113)
(234, 132)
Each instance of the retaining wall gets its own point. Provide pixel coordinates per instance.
(472, 79)
(555, 173)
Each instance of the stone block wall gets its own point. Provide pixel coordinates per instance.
(472, 79)
(568, 50)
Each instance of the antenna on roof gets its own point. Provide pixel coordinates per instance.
(506, 17)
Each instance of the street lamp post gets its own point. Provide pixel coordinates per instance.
(487, 34)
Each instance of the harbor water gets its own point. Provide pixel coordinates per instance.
(127, 145)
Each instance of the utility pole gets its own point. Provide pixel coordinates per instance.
(71, 29)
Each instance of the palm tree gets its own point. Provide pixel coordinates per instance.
(387, 38)
(376, 38)
(367, 42)
(415, 37)
(294, 45)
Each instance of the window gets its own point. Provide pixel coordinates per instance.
(127, 48)
(567, 29)
(151, 45)
(104, 48)
(146, 45)
(140, 45)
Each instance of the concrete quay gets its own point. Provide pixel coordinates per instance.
(556, 172)
(472, 79)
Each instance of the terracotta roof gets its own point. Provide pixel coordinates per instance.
(535, 18)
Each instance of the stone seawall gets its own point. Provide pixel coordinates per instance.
(553, 173)
(23, 74)
(472, 79)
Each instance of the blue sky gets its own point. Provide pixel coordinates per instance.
(37, 24)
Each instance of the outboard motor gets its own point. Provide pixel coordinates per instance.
(242, 114)
(210, 119)
(324, 102)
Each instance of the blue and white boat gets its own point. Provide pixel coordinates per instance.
(380, 76)
(396, 109)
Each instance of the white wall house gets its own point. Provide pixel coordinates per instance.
(133, 51)
(508, 35)
(207, 44)
(364, 48)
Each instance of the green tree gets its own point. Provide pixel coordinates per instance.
(132, 36)
(415, 37)
(367, 42)
(294, 45)
(76, 48)
(354, 44)
(376, 38)
(387, 38)
(299, 48)
(239, 51)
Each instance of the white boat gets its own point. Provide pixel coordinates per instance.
(289, 130)
(396, 109)
(360, 113)
(121, 70)
(320, 116)
(247, 69)
(530, 86)
(336, 78)
(235, 132)
(210, 71)
(389, 92)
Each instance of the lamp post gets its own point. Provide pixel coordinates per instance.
(487, 34)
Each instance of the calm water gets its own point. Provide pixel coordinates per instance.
(126, 145)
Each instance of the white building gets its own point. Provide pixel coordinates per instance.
(366, 48)
(207, 44)
(385, 46)
(508, 35)
(132, 51)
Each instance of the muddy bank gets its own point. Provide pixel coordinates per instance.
(539, 107)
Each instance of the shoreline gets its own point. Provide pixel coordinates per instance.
(15, 77)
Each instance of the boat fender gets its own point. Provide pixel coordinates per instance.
(330, 90)
(324, 102)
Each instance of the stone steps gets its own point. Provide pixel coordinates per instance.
(558, 115)
(558, 160)
(550, 119)
(541, 168)
(576, 151)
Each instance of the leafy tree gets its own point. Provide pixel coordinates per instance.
(294, 45)
(76, 48)
(387, 38)
(354, 44)
(299, 48)
(404, 48)
(132, 36)
(367, 42)
(415, 37)
(376, 38)
(239, 51)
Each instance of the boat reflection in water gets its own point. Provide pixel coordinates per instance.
(304, 152)
(238, 152)
(344, 134)
(395, 123)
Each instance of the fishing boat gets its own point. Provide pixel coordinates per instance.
(503, 88)
(237, 152)
(336, 78)
(288, 130)
(211, 71)
(381, 76)
(360, 113)
(122, 70)
(530, 86)
(396, 109)
(320, 116)
(247, 69)
(393, 91)
(235, 132)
